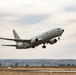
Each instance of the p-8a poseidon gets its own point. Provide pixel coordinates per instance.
(48, 37)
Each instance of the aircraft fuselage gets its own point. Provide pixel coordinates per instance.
(43, 38)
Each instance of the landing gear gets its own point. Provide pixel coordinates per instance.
(58, 38)
(33, 46)
(43, 46)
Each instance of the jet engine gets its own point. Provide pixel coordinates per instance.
(53, 41)
(34, 40)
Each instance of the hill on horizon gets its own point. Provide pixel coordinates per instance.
(37, 62)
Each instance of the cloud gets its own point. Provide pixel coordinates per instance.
(32, 19)
(74, 35)
(72, 21)
(71, 8)
(4, 14)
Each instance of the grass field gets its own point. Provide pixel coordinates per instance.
(26, 70)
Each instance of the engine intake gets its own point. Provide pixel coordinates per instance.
(53, 41)
(34, 40)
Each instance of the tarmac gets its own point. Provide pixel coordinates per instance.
(42, 71)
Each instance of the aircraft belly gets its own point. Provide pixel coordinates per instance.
(24, 46)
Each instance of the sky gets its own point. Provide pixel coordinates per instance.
(32, 17)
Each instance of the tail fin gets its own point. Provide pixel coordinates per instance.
(16, 36)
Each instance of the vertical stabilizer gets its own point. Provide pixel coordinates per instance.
(16, 36)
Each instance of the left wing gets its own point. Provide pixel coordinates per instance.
(17, 40)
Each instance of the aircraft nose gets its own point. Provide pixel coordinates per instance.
(62, 30)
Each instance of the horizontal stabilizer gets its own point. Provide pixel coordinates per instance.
(10, 45)
(17, 40)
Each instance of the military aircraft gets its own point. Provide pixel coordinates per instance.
(48, 37)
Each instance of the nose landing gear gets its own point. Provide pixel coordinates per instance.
(58, 38)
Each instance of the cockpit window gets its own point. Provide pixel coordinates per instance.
(58, 28)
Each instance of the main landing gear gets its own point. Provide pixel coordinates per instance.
(43, 46)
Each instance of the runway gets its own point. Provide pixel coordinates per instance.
(44, 71)
(51, 71)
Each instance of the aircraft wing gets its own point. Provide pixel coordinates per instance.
(19, 40)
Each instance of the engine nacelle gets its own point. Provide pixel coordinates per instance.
(34, 40)
(53, 41)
